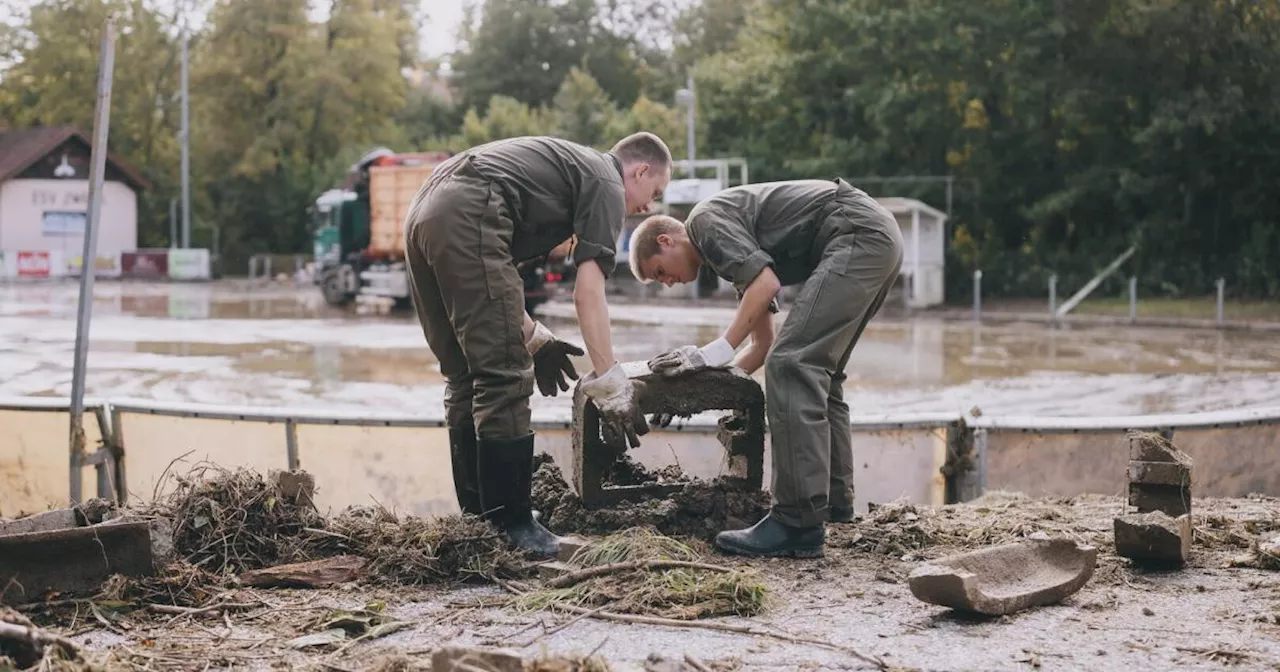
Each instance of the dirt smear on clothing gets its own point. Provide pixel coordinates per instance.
(699, 510)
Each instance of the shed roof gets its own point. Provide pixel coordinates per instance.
(21, 148)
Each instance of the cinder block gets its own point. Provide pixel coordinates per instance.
(1159, 473)
(1154, 538)
(1171, 499)
(1151, 447)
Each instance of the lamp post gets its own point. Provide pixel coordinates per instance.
(688, 97)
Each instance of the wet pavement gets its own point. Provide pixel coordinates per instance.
(280, 345)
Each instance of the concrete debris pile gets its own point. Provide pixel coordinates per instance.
(1160, 488)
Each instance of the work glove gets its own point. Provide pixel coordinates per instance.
(689, 358)
(621, 421)
(551, 361)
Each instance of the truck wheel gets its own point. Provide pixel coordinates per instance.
(334, 293)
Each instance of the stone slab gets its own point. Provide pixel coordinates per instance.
(1171, 499)
(46, 521)
(1003, 579)
(71, 561)
(568, 547)
(1159, 473)
(1154, 538)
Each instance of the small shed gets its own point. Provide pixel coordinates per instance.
(924, 257)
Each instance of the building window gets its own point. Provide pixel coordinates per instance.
(63, 223)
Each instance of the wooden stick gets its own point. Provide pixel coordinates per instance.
(574, 578)
(696, 664)
(193, 611)
(38, 638)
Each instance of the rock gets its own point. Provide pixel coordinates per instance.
(48, 521)
(569, 546)
(1154, 538)
(314, 574)
(1007, 578)
(298, 486)
(475, 659)
(95, 510)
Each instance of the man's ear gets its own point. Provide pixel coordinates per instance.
(642, 169)
(665, 240)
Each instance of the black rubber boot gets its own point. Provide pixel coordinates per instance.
(462, 453)
(835, 515)
(772, 538)
(506, 482)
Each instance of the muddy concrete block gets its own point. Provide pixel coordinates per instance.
(568, 547)
(476, 659)
(58, 519)
(71, 561)
(1159, 473)
(1154, 538)
(298, 486)
(1171, 499)
(741, 433)
(1004, 579)
(1151, 447)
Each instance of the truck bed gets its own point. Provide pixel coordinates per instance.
(391, 191)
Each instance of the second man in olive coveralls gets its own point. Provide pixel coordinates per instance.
(846, 250)
(477, 216)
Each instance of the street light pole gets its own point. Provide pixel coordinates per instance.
(186, 151)
(688, 97)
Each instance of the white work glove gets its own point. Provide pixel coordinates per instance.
(689, 358)
(551, 361)
(621, 421)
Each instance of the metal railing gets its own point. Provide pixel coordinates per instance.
(967, 436)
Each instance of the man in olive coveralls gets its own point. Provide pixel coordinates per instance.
(846, 249)
(477, 216)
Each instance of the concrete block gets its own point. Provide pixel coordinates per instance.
(1159, 473)
(47, 521)
(1154, 538)
(1151, 447)
(298, 486)
(475, 659)
(1171, 499)
(568, 547)
(1007, 578)
(71, 561)
(741, 433)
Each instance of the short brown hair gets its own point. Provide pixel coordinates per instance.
(643, 147)
(644, 241)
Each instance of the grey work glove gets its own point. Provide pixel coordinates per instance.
(717, 354)
(621, 421)
(551, 361)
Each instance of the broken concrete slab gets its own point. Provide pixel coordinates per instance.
(1004, 579)
(1152, 447)
(1159, 473)
(313, 574)
(1154, 538)
(569, 546)
(71, 561)
(741, 433)
(1171, 499)
(475, 659)
(297, 486)
(46, 521)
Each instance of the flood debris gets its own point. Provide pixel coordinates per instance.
(1154, 539)
(638, 571)
(311, 574)
(178, 583)
(1007, 578)
(484, 659)
(73, 559)
(698, 510)
(25, 645)
(346, 627)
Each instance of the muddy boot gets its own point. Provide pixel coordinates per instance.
(836, 515)
(773, 538)
(506, 482)
(462, 453)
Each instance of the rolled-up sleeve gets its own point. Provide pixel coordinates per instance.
(598, 217)
(727, 246)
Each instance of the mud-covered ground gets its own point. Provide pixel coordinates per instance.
(1209, 615)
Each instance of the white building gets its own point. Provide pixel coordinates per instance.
(924, 258)
(44, 198)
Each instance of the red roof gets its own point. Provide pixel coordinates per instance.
(19, 149)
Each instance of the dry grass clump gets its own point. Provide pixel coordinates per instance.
(677, 592)
(228, 521)
(413, 550)
(179, 583)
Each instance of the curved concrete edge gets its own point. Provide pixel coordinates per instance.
(964, 582)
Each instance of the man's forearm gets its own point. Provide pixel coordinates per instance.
(527, 327)
(753, 307)
(593, 315)
(752, 357)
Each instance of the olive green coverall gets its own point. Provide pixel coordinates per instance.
(479, 214)
(847, 250)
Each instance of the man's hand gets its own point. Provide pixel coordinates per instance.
(621, 422)
(551, 361)
(689, 358)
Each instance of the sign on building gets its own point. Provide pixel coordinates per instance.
(189, 264)
(145, 264)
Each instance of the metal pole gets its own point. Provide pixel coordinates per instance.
(1053, 295)
(950, 181)
(977, 296)
(97, 168)
(689, 120)
(1133, 298)
(1221, 287)
(186, 151)
(173, 222)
